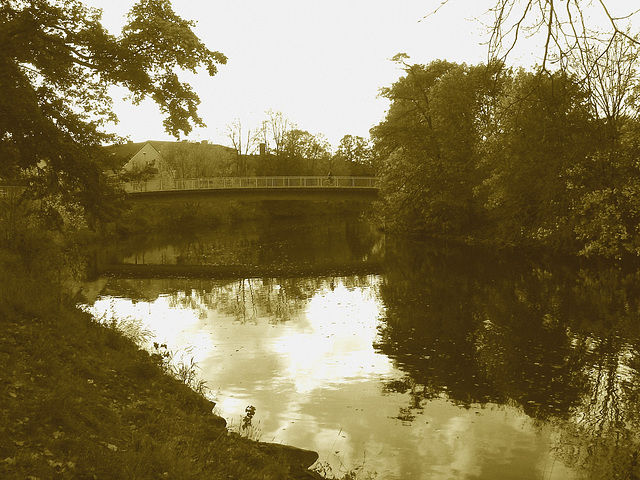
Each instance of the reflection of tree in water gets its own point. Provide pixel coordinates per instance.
(277, 300)
(246, 300)
(282, 243)
(561, 344)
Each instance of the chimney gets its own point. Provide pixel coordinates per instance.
(263, 149)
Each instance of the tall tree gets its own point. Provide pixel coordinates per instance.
(545, 127)
(353, 155)
(609, 73)
(243, 141)
(428, 146)
(273, 130)
(56, 64)
(241, 138)
(304, 153)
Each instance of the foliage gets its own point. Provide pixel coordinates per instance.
(427, 148)
(13, 215)
(174, 363)
(250, 411)
(243, 141)
(545, 127)
(272, 131)
(304, 154)
(352, 157)
(604, 190)
(609, 73)
(484, 154)
(197, 160)
(288, 149)
(57, 62)
(139, 173)
(358, 473)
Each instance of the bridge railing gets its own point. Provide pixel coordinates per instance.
(220, 183)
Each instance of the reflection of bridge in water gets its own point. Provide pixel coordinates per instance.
(130, 270)
(287, 187)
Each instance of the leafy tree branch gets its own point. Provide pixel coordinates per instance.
(57, 62)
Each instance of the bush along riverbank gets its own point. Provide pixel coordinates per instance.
(80, 399)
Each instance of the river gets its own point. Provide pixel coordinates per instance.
(410, 361)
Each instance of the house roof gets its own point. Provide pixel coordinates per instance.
(124, 152)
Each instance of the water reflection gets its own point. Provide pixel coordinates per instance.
(259, 249)
(558, 344)
(451, 363)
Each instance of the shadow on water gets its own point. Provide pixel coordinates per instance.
(559, 343)
(257, 249)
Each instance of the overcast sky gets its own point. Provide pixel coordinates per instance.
(321, 63)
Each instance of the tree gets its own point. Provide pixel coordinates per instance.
(354, 153)
(56, 64)
(272, 133)
(273, 130)
(428, 147)
(604, 186)
(197, 160)
(243, 142)
(590, 204)
(545, 126)
(305, 153)
(609, 73)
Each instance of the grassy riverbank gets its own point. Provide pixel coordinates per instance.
(80, 400)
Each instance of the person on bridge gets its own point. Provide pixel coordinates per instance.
(329, 179)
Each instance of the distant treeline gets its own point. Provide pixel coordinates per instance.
(487, 154)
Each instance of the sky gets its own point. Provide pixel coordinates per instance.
(320, 63)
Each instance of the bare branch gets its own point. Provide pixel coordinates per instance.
(437, 9)
(562, 30)
(516, 28)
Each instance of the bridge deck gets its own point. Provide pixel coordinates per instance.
(252, 183)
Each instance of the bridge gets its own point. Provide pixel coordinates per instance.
(271, 187)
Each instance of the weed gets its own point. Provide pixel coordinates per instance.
(326, 470)
(249, 412)
(130, 328)
(246, 427)
(357, 473)
(186, 371)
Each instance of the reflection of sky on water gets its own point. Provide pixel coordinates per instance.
(317, 382)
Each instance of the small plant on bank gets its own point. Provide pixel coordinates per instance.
(249, 413)
(129, 327)
(185, 371)
(246, 427)
(358, 473)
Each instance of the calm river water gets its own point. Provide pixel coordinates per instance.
(412, 361)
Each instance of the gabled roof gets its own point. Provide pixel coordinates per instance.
(124, 152)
